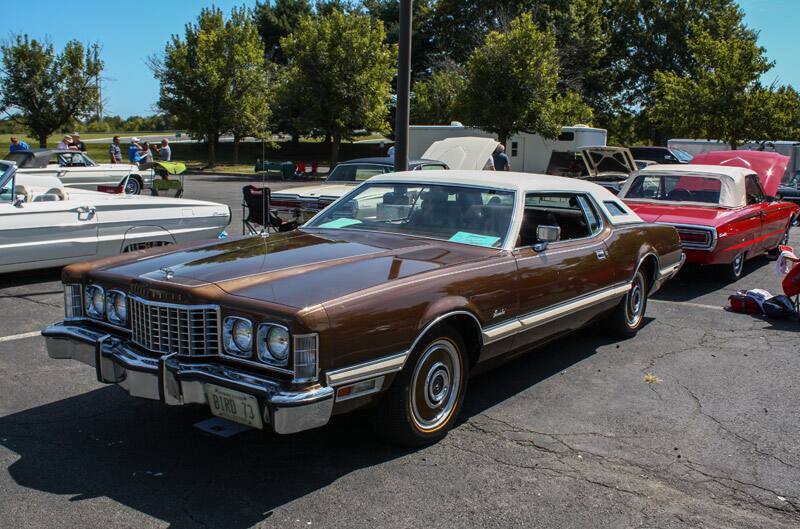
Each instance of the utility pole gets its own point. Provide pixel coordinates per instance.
(96, 50)
(403, 89)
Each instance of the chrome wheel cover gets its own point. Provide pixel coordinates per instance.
(738, 264)
(635, 301)
(435, 385)
(132, 187)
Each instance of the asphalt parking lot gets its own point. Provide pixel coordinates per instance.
(569, 436)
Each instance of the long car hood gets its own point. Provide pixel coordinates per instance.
(672, 214)
(300, 268)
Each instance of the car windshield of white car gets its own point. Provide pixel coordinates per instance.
(675, 188)
(355, 172)
(6, 183)
(467, 215)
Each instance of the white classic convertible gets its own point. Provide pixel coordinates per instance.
(76, 169)
(43, 224)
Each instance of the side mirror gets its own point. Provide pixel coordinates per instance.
(546, 235)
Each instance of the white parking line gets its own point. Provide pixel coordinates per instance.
(22, 336)
(686, 303)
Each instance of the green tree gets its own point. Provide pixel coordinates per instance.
(278, 19)
(511, 84)
(43, 90)
(212, 78)
(722, 97)
(435, 100)
(340, 73)
(423, 56)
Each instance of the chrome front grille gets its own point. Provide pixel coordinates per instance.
(166, 328)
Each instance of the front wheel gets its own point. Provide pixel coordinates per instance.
(626, 319)
(426, 397)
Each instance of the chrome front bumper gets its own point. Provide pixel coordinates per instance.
(178, 383)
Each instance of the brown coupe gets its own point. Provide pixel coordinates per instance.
(390, 297)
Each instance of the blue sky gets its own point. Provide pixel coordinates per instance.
(131, 32)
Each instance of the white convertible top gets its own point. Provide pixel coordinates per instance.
(732, 181)
(614, 209)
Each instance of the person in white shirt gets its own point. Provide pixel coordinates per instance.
(390, 152)
(66, 143)
(489, 166)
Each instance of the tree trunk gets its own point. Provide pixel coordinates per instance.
(337, 141)
(236, 140)
(295, 137)
(502, 138)
(212, 149)
(734, 146)
(42, 140)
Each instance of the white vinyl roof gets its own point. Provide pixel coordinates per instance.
(732, 180)
(513, 181)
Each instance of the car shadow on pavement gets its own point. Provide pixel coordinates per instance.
(694, 282)
(149, 457)
(32, 277)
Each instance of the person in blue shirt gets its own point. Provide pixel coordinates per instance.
(134, 154)
(18, 145)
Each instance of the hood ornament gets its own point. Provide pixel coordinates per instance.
(169, 273)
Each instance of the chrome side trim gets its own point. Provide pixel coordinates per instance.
(672, 269)
(540, 317)
(374, 368)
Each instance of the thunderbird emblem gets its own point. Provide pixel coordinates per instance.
(169, 273)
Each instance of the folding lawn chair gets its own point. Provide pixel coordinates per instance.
(256, 209)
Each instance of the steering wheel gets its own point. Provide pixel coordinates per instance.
(680, 195)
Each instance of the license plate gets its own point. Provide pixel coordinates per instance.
(234, 405)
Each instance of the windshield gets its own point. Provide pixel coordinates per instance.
(467, 215)
(682, 155)
(676, 188)
(6, 183)
(355, 172)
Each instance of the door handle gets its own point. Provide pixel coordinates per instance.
(601, 254)
(89, 211)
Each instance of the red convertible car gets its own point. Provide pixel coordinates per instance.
(724, 213)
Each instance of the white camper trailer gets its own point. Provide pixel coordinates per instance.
(529, 153)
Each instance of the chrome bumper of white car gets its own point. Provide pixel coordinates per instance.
(177, 383)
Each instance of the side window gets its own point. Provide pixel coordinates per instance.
(432, 167)
(753, 189)
(589, 211)
(563, 210)
(615, 208)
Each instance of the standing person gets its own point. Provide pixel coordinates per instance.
(18, 145)
(114, 152)
(134, 155)
(146, 154)
(489, 165)
(500, 159)
(66, 143)
(390, 153)
(77, 143)
(165, 151)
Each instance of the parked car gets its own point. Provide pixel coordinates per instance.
(301, 203)
(77, 169)
(790, 191)
(608, 166)
(388, 298)
(771, 168)
(661, 155)
(723, 214)
(43, 224)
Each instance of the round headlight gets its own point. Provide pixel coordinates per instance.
(278, 343)
(242, 333)
(95, 302)
(117, 307)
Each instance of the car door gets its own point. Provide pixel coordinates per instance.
(772, 220)
(41, 231)
(777, 216)
(77, 170)
(558, 284)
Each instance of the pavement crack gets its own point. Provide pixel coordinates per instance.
(735, 435)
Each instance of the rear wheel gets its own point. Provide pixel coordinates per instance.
(733, 271)
(133, 186)
(425, 399)
(628, 316)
